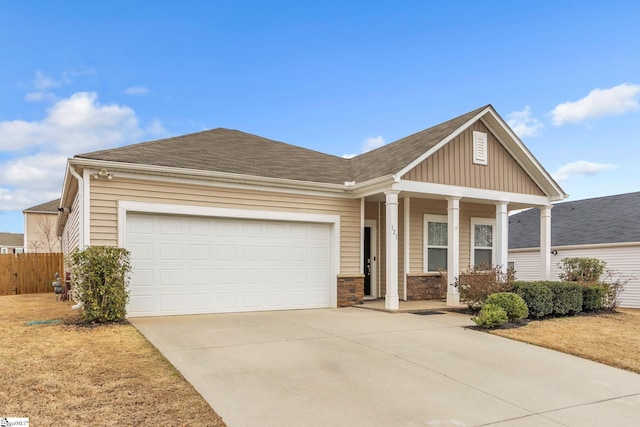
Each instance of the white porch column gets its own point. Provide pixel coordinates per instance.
(545, 242)
(502, 236)
(407, 243)
(391, 297)
(453, 250)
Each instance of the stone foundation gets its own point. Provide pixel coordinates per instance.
(350, 290)
(424, 287)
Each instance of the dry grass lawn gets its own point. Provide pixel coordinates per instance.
(612, 339)
(63, 374)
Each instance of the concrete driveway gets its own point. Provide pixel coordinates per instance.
(355, 367)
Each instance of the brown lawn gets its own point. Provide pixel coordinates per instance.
(612, 339)
(63, 374)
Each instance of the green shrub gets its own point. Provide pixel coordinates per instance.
(567, 297)
(592, 297)
(511, 303)
(490, 316)
(480, 282)
(582, 270)
(100, 276)
(537, 296)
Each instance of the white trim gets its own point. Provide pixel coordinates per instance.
(373, 225)
(362, 225)
(126, 206)
(470, 193)
(391, 244)
(427, 218)
(189, 175)
(86, 208)
(407, 243)
(444, 142)
(502, 235)
(482, 221)
(586, 246)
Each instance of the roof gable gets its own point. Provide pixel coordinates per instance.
(452, 164)
(611, 219)
(51, 206)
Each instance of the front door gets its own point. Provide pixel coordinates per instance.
(369, 259)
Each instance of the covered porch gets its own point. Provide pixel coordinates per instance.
(415, 245)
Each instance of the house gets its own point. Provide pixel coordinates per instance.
(583, 228)
(11, 243)
(40, 227)
(225, 221)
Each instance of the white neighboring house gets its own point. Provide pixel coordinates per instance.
(607, 228)
(11, 243)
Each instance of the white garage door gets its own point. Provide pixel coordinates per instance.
(191, 265)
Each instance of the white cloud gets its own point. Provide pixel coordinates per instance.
(368, 144)
(42, 82)
(136, 90)
(599, 102)
(523, 123)
(75, 124)
(33, 154)
(580, 168)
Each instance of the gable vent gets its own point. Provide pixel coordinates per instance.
(480, 148)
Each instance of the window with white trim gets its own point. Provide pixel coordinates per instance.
(480, 148)
(482, 238)
(19, 250)
(4, 250)
(436, 242)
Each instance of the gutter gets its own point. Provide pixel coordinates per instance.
(77, 176)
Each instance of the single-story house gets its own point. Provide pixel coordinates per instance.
(40, 227)
(11, 243)
(583, 228)
(226, 221)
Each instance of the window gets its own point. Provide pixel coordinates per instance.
(4, 250)
(436, 242)
(479, 148)
(482, 241)
(19, 250)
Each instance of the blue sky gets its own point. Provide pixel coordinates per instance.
(338, 77)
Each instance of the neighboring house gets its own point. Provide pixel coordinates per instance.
(11, 243)
(40, 228)
(607, 228)
(224, 221)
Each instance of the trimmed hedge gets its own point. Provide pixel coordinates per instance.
(592, 296)
(537, 296)
(511, 303)
(567, 298)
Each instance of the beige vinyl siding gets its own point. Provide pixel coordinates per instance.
(468, 210)
(622, 259)
(453, 165)
(420, 207)
(71, 232)
(106, 193)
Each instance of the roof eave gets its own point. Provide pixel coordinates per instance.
(209, 175)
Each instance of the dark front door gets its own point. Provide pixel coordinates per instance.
(367, 261)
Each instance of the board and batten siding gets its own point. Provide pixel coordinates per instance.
(453, 165)
(71, 232)
(106, 193)
(622, 259)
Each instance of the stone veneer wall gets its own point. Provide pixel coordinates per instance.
(424, 287)
(350, 290)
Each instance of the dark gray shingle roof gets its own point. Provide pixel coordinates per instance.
(12, 239)
(51, 206)
(610, 219)
(232, 151)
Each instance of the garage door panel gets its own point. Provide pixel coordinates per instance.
(186, 265)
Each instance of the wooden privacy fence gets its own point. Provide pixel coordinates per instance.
(29, 273)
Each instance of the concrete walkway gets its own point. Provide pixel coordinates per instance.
(352, 367)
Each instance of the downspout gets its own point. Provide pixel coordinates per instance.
(77, 176)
